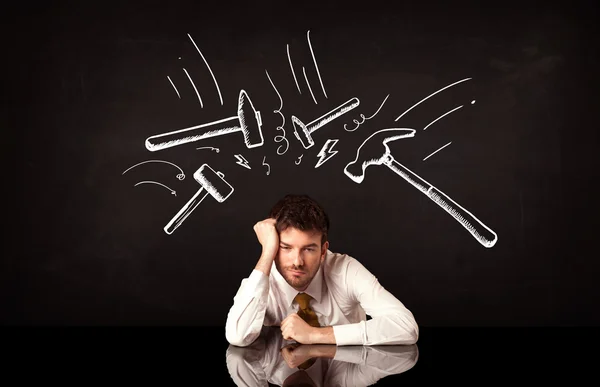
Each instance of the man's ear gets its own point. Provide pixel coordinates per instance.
(324, 250)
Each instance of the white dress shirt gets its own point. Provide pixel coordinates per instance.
(262, 363)
(344, 293)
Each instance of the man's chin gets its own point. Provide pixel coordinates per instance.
(297, 283)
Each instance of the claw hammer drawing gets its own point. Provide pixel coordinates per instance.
(375, 151)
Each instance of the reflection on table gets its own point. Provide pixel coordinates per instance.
(273, 360)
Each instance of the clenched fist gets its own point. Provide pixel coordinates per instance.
(293, 327)
(267, 236)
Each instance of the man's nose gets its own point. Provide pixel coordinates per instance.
(298, 261)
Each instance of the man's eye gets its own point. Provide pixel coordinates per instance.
(284, 247)
(310, 249)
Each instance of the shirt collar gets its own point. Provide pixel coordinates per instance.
(314, 288)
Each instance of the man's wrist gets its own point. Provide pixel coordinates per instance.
(266, 261)
(322, 335)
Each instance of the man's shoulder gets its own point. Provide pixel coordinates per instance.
(339, 270)
(337, 263)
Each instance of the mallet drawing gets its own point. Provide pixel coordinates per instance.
(211, 182)
(304, 132)
(247, 121)
(375, 151)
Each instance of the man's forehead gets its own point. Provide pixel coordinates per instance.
(292, 234)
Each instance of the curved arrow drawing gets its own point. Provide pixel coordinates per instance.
(154, 182)
(180, 176)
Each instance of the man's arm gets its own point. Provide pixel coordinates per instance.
(269, 239)
(293, 327)
(246, 316)
(391, 322)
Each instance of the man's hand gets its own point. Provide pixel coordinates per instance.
(269, 239)
(293, 327)
(267, 236)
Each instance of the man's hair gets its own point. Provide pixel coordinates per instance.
(300, 212)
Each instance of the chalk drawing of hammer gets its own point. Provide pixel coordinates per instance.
(247, 121)
(304, 132)
(375, 151)
(211, 182)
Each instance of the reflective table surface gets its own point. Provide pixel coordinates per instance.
(201, 356)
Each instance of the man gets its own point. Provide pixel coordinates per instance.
(314, 295)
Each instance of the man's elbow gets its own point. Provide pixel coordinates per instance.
(409, 329)
(235, 340)
(239, 340)
(412, 328)
(413, 334)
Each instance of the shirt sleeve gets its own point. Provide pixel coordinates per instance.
(391, 322)
(246, 315)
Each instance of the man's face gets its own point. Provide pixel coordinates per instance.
(300, 256)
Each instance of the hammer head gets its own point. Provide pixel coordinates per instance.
(250, 121)
(302, 133)
(374, 151)
(213, 182)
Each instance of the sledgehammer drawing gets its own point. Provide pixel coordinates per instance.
(211, 183)
(375, 151)
(247, 121)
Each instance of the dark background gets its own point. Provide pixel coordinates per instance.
(88, 84)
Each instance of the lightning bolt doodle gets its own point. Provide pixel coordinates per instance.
(326, 152)
(242, 161)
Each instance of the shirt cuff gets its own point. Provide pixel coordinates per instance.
(350, 334)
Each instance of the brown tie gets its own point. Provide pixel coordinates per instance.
(305, 311)
(308, 315)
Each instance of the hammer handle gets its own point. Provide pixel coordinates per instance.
(185, 211)
(332, 115)
(193, 133)
(480, 231)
